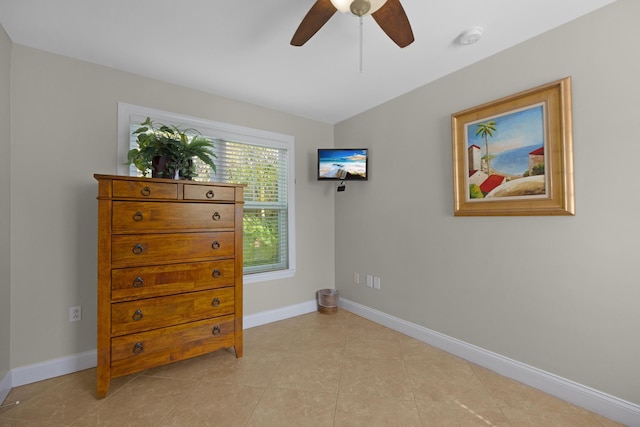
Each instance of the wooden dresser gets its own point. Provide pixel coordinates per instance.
(169, 272)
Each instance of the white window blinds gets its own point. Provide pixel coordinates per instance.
(264, 172)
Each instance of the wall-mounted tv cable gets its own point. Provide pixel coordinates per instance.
(343, 175)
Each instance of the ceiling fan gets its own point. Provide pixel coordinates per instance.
(389, 14)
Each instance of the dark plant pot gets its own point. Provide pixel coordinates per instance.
(161, 167)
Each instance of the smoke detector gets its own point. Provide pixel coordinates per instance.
(470, 36)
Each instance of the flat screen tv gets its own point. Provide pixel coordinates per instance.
(350, 164)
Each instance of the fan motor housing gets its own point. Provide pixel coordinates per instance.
(360, 7)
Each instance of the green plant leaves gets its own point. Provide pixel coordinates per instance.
(180, 146)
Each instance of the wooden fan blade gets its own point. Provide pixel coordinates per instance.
(317, 16)
(394, 22)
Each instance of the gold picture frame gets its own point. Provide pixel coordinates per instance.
(514, 155)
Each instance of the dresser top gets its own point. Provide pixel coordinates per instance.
(98, 176)
(122, 187)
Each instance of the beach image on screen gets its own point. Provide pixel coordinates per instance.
(332, 162)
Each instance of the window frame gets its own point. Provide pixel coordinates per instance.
(128, 112)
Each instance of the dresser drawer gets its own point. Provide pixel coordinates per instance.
(163, 216)
(153, 313)
(144, 282)
(129, 250)
(208, 192)
(144, 190)
(136, 352)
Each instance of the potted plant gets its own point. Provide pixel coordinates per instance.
(168, 151)
(190, 147)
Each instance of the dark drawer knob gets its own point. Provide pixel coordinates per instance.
(216, 216)
(138, 282)
(210, 194)
(215, 302)
(137, 315)
(216, 273)
(146, 191)
(138, 348)
(138, 249)
(138, 216)
(215, 245)
(216, 331)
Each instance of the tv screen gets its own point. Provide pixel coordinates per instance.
(350, 163)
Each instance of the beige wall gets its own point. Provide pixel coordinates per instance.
(557, 293)
(64, 130)
(5, 206)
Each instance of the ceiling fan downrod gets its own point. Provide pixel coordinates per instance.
(361, 45)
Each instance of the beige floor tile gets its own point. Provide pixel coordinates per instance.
(57, 401)
(268, 338)
(73, 397)
(145, 401)
(8, 422)
(370, 346)
(215, 404)
(320, 321)
(454, 413)
(606, 422)
(27, 395)
(314, 372)
(193, 368)
(281, 408)
(537, 418)
(508, 393)
(291, 323)
(365, 411)
(320, 341)
(254, 369)
(415, 349)
(375, 378)
(355, 321)
(360, 327)
(447, 379)
(117, 383)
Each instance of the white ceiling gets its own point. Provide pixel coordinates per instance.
(240, 48)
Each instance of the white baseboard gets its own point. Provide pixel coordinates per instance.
(271, 316)
(53, 368)
(5, 386)
(593, 400)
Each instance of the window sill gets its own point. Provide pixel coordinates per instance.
(265, 277)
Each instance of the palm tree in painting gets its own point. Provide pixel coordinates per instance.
(486, 130)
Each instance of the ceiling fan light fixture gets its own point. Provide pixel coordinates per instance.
(358, 7)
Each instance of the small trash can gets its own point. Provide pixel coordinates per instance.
(328, 301)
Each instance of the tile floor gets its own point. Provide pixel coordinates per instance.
(312, 370)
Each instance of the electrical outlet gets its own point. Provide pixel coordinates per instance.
(376, 283)
(356, 278)
(369, 281)
(75, 313)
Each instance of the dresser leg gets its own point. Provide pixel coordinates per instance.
(238, 350)
(103, 388)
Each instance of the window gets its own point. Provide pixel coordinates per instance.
(263, 161)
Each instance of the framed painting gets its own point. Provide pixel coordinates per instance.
(514, 156)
